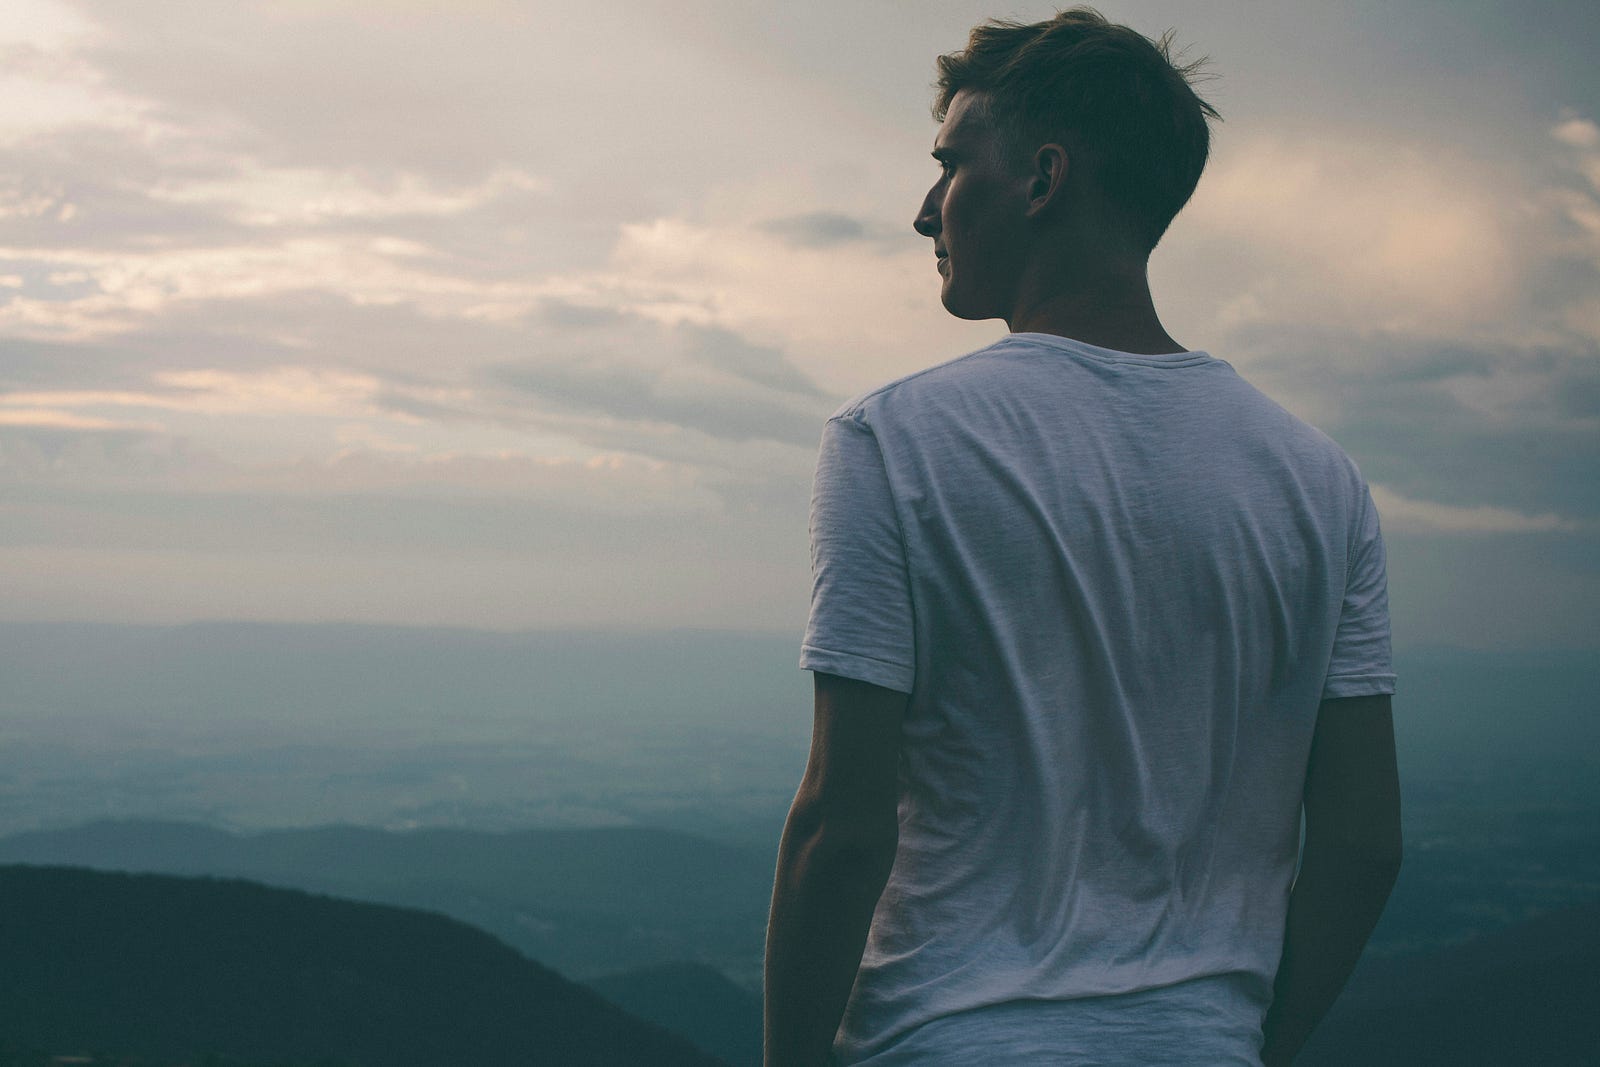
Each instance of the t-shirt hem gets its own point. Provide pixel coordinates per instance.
(860, 668)
(1020, 1029)
(1357, 685)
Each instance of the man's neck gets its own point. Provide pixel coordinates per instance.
(1112, 311)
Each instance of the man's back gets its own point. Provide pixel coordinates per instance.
(1078, 621)
(1117, 588)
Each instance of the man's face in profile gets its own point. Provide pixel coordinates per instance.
(974, 212)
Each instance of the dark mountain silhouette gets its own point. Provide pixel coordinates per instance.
(15, 1055)
(585, 902)
(693, 1000)
(1527, 994)
(169, 968)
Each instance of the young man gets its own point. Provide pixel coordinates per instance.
(1093, 622)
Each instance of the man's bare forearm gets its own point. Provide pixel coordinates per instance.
(1335, 903)
(826, 890)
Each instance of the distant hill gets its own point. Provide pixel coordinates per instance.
(1528, 994)
(585, 902)
(693, 1000)
(173, 969)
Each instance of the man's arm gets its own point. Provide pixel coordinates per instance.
(1348, 867)
(837, 848)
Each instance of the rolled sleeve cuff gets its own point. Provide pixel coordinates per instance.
(894, 676)
(1357, 685)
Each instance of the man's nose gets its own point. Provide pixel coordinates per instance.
(927, 221)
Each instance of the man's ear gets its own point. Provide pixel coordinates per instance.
(1048, 182)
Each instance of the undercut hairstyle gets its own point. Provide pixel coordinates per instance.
(1116, 100)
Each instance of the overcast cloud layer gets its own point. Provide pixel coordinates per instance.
(515, 315)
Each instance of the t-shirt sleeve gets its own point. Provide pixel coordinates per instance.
(861, 622)
(1361, 664)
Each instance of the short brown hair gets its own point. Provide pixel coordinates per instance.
(1111, 95)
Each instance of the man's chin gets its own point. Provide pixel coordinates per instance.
(966, 309)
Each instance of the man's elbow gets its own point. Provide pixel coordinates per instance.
(861, 836)
(1372, 859)
(845, 833)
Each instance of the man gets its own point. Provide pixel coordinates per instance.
(1093, 623)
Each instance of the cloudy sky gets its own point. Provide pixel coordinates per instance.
(528, 314)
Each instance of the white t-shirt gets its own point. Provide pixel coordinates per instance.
(1116, 588)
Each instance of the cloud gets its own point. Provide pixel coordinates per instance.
(562, 314)
(40, 25)
(1403, 514)
(449, 94)
(90, 188)
(382, 310)
(103, 468)
(851, 316)
(1578, 132)
(280, 391)
(272, 197)
(258, 367)
(725, 351)
(74, 454)
(818, 229)
(708, 380)
(1515, 427)
(208, 218)
(65, 420)
(133, 288)
(1345, 226)
(45, 84)
(1578, 202)
(19, 201)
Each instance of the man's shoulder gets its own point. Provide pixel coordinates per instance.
(916, 386)
(1305, 440)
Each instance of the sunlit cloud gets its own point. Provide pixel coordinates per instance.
(361, 436)
(286, 391)
(258, 257)
(854, 315)
(1581, 133)
(1405, 515)
(131, 288)
(19, 201)
(1342, 226)
(281, 391)
(1579, 203)
(47, 84)
(41, 24)
(65, 420)
(277, 196)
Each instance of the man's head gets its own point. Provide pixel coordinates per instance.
(1074, 127)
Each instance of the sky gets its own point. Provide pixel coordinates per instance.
(511, 315)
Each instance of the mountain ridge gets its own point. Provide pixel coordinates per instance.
(587, 902)
(163, 966)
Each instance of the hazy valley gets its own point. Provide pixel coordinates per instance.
(620, 825)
